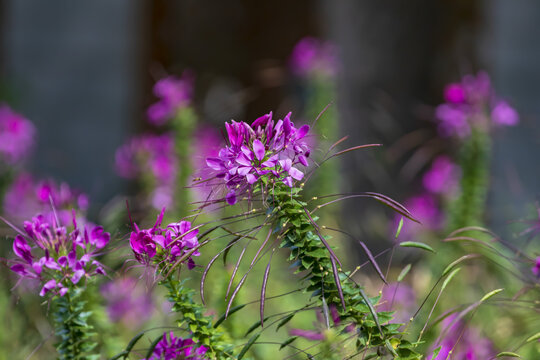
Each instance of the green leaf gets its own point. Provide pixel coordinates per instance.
(509, 354)
(417, 245)
(405, 271)
(400, 225)
(534, 337)
(436, 352)
(255, 326)
(285, 320)
(287, 342)
(232, 311)
(449, 278)
(152, 347)
(248, 345)
(490, 294)
(454, 263)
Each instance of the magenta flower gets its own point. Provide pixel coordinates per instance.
(442, 177)
(400, 298)
(472, 103)
(153, 159)
(464, 342)
(264, 149)
(25, 198)
(127, 302)
(536, 268)
(174, 241)
(175, 348)
(55, 256)
(313, 56)
(16, 136)
(173, 94)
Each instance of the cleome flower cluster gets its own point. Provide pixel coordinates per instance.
(56, 256)
(264, 149)
(472, 103)
(156, 245)
(174, 94)
(177, 348)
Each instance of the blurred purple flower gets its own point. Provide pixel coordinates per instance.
(464, 342)
(172, 242)
(321, 326)
(424, 208)
(174, 94)
(442, 177)
(400, 298)
(175, 348)
(16, 136)
(472, 104)
(55, 256)
(127, 302)
(536, 268)
(152, 157)
(313, 56)
(25, 198)
(260, 150)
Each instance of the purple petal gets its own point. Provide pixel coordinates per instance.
(300, 133)
(244, 170)
(288, 181)
(77, 275)
(251, 178)
(303, 160)
(215, 163)
(258, 149)
(49, 285)
(231, 197)
(296, 174)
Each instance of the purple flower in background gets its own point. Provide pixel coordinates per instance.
(313, 56)
(16, 136)
(151, 158)
(442, 177)
(536, 268)
(400, 298)
(174, 241)
(175, 348)
(320, 326)
(464, 342)
(127, 302)
(208, 143)
(264, 149)
(25, 198)
(56, 256)
(174, 94)
(472, 103)
(424, 208)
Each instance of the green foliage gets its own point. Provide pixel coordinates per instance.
(72, 328)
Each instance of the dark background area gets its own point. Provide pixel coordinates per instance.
(82, 71)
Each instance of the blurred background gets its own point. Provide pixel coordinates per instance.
(83, 73)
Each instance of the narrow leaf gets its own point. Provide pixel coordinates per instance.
(461, 259)
(373, 261)
(508, 353)
(371, 309)
(449, 278)
(263, 290)
(398, 231)
(323, 240)
(534, 337)
(417, 245)
(338, 283)
(248, 345)
(287, 342)
(285, 320)
(232, 311)
(152, 347)
(404, 272)
(490, 294)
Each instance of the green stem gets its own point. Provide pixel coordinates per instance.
(184, 126)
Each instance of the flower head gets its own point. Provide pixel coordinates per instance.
(313, 56)
(174, 94)
(266, 149)
(536, 268)
(127, 301)
(56, 255)
(152, 158)
(472, 103)
(16, 136)
(174, 348)
(159, 245)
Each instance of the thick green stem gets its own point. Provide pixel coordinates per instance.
(72, 328)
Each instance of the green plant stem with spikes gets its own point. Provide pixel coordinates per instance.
(72, 328)
(302, 236)
(183, 125)
(200, 326)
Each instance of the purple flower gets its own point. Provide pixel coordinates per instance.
(153, 159)
(313, 56)
(56, 256)
(16, 136)
(472, 103)
(25, 198)
(263, 150)
(173, 94)
(175, 348)
(464, 342)
(536, 268)
(174, 241)
(442, 177)
(127, 302)
(400, 298)
(424, 208)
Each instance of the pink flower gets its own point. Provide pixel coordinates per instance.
(16, 136)
(127, 301)
(311, 55)
(174, 94)
(442, 177)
